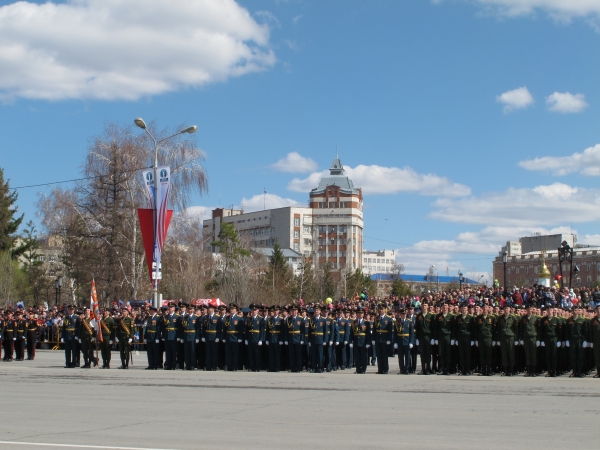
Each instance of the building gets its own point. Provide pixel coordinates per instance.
(419, 283)
(329, 230)
(337, 218)
(523, 267)
(381, 261)
(294, 259)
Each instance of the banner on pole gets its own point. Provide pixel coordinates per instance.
(146, 218)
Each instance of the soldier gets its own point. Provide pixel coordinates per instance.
(295, 339)
(181, 314)
(170, 334)
(332, 333)
(70, 324)
(21, 335)
(360, 333)
(594, 339)
(125, 332)
(212, 327)
(424, 337)
(86, 336)
(443, 330)
(317, 338)
(549, 327)
(107, 328)
(233, 332)
(350, 317)
(10, 327)
(2, 326)
(200, 351)
(152, 338)
(507, 326)
(274, 339)
(484, 327)
(189, 333)
(32, 335)
(410, 314)
(255, 336)
(464, 335)
(382, 338)
(404, 340)
(528, 338)
(574, 342)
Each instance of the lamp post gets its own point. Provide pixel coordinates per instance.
(460, 279)
(565, 253)
(141, 124)
(504, 260)
(58, 287)
(437, 277)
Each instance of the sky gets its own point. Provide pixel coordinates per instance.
(467, 123)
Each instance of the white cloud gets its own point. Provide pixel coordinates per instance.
(296, 19)
(294, 162)
(268, 16)
(565, 102)
(203, 212)
(562, 10)
(125, 49)
(586, 163)
(268, 201)
(516, 99)
(540, 206)
(388, 180)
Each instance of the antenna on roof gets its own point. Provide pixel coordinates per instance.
(336, 153)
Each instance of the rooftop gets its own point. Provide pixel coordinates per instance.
(336, 178)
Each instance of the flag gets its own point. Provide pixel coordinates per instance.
(94, 308)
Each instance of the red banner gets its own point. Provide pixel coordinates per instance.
(146, 217)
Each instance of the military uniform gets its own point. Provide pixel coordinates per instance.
(382, 338)
(152, 338)
(528, 337)
(233, 333)
(594, 341)
(332, 333)
(507, 327)
(274, 340)
(424, 335)
(212, 328)
(125, 332)
(317, 338)
(549, 328)
(189, 335)
(107, 328)
(485, 336)
(464, 335)
(68, 336)
(574, 334)
(404, 341)
(443, 329)
(86, 335)
(9, 338)
(255, 336)
(295, 338)
(170, 334)
(361, 336)
(32, 329)
(21, 335)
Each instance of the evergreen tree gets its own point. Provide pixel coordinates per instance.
(9, 222)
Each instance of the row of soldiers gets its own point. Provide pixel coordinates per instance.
(449, 339)
(18, 333)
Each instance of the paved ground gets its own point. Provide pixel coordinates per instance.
(42, 403)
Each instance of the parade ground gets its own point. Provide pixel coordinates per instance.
(46, 406)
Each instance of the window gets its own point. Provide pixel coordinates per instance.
(332, 229)
(296, 234)
(53, 258)
(589, 278)
(41, 258)
(307, 229)
(508, 271)
(588, 268)
(296, 246)
(517, 270)
(322, 229)
(296, 221)
(526, 270)
(306, 241)
(329, 254)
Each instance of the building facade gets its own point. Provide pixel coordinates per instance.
(381, 261)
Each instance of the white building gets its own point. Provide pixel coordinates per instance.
(381, 261)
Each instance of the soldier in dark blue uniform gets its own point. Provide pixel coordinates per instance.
(295, 339)
(213, 328)
(171, 337)
(343, 333)
(318, 339)
(200, 346)
(189, 336)
(181, 311)
(152, 339)
(361, 335)
(404, 341)
(382, 338)
(332, 333)
(233, 332)
(255, 336)
(274, 339)
(68, 336)
(350, 317)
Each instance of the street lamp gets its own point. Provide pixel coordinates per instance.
(565, 253)
(141, 124)
(58, 287)
(437, 276)
(460, 279)
(504, 260)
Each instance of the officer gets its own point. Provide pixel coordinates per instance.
(574, 332)
(70, 325)
(21, 335)
(317, 339)
(549, 327)
(233, 332)
(170, 335)
(360, 334)
(189, 335)
(343, 333)
(255, 336)
(404, 340)
(330, 323)
(382, 338)
(274, 339)
(350, 317)
(32, 329)
(294, 326)
(528, 338)
(484, 326)
(594, 339)
(152, 338)
(212, 327)
(10, 327)
(443, 329)
(2, 326)
(107, 328)
(86, 336)
(125, 331)
(410, 314)
(464, 336)
(507, 326)
(424, 335)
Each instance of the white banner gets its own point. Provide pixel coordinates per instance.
(148, 175)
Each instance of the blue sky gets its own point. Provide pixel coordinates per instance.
(439, 109)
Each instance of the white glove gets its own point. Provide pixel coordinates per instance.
(351, 345)
(80, 341)
(301, 342)
(280, 342)
(286, 342)
(516, 343)
(410, 346)
(493, 343)
(452, 342)
(203, 339)
(521, 342)
(558, 344)
(130, 340)
(567, 344)
(62, 340)
(476, 343)
(537, 343)
(110, 342)
(324, 344)
(591, 345)
(259, 342)
(437, 342)
(309, 344)
(23, 338)
(158, 342)
(217, 340)
(14, 339)
(372, 342)
(337, 343)
(163, 340)
(145, 341)
(395, 346)
(456, 342)
(417, 341)
(584, 344)
(543, 344)
(432, 342)
(498, 343)
(246, 342)
(368, 346)
(388, 342)
(93, 339)
(239, 341)
(117, 340)
(472, 343)
(267, 342)
(345, 342)
(197, 340)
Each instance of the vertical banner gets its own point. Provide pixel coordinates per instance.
(149, 183)
(162, 198)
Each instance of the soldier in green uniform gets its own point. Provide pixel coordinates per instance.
(507, 326)
(86, 336)
(528, 338)
(444, 325)
(594, 337)
(549, 328)
(424, 337)
(574, 341)
(107, 328)
(484, 326)
(125, 332)
(464, 334)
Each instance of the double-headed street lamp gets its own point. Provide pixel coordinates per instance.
(460, 279)
(565, 253)
(504, 260)
(437, 276)
(140, 123)
(58, 286)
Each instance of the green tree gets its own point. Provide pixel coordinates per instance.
(32, 266)
(327, 285)
(9, 221)
(400, 288)
(278, 276)
(229, 245)
(357, 281)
